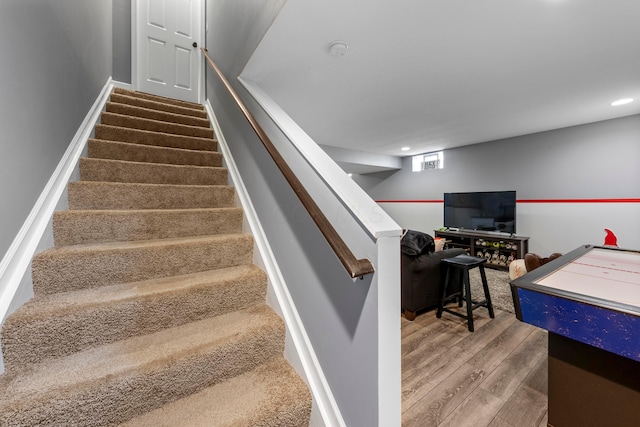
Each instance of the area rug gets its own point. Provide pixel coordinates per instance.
(499, 288)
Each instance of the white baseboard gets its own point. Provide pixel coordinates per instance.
(122, 85)
(298, 348)
(14, 267)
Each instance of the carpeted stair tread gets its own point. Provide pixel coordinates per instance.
(121, 98)
(114, 119)
(270, 395)
(118, 195)
(116, 150)
(149, 307)
(158, 98)
(150, 173)
(70, 268)
(60, 324)
(121, 380)
(149, 113)
(160, 139)
(75, 227)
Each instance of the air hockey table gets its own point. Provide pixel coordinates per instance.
(589, 302)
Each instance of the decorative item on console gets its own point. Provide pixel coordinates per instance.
(497, 244)
(496, 257)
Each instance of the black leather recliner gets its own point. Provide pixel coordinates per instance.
(422, 276)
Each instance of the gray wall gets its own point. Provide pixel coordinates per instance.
(597, 160)
(592, 161)
(122, 41)
(57, 56)
(339, 313)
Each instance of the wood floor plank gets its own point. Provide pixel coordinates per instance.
(526, 407)
(436, 405)
(501, 346)
(430, 347)
(495, 376)
(482, 406)
(418, 339)
(504, 380)
(488, 330)
(538, 378)
(426, 376)
(544, 422)
(422, 320)
(499, 422)
(441, 362)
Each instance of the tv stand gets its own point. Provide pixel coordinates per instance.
(498, 247)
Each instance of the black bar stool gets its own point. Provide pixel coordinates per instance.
(465, 263)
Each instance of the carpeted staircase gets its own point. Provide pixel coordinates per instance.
(148, 311)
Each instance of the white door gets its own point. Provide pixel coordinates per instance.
(168, 36)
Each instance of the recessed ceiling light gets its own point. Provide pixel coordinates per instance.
(622, 102)
(405, 148)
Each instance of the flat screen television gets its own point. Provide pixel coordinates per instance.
(483, 211)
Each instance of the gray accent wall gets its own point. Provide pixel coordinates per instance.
(580, 163)
(56, 58)
(596, 160)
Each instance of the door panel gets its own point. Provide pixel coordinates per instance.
(183, 18)
(183, 67)
(167, 63)
(157, 13)
(156, 63)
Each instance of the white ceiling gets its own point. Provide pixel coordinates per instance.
(437, 74)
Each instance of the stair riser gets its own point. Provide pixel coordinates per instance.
(146, 113)
(28, 342)
(160, 99)
(153, 105)
(149, 173)
(136, 136)
(154, 125)
(150, 154)
(97, 195)
(63, 271)
(82, 227)
(115, 399)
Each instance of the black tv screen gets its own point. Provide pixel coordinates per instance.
(483, 211)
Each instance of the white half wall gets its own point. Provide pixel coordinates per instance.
(563, 226)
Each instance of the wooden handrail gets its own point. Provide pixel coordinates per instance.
(355, 267)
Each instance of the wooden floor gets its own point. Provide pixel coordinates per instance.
(495, 376)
